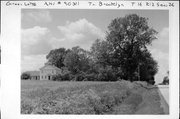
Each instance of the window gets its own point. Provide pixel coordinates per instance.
(45, 77)
(42, 77)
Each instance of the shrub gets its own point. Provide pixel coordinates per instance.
(25, 76)
(56, 77)
(66, 77)
(152, 82)
(91, 77)
(104, 74)
(79, 77)
(107, 74)
(62, 77)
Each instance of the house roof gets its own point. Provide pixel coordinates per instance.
(33, 73)
(48, 66)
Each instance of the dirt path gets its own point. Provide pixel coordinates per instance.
(164, 90)
(151, 103)
(164, 103)
(142, 100)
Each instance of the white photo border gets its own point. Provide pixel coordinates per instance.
(11, 61)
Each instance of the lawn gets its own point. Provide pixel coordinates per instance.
(51, 97)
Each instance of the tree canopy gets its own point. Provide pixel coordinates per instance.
(56, 57)
(122, 54)
(101, 51)
(129, 36)
(77, 60)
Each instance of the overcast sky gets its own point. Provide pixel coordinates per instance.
(44, 30)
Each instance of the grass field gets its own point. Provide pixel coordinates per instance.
(51, 97)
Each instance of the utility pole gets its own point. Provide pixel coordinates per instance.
(139, 77)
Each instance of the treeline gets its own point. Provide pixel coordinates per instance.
(123, 54)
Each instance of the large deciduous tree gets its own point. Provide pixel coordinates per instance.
(129, 36)
(101, 52)
(56, 57)
(77, 60)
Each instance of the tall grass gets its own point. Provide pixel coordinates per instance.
(88, 99)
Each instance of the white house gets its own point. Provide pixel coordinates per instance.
(47, 71)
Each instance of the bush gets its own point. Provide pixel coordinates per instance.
(104, 74)
(56, 77)
(91, 77)
(84, 76)
(107, 74)
(152, 82)
(79, 77)
(25, 76)
(63, 77)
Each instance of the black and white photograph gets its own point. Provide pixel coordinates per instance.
(89, 59)
(94, 61)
